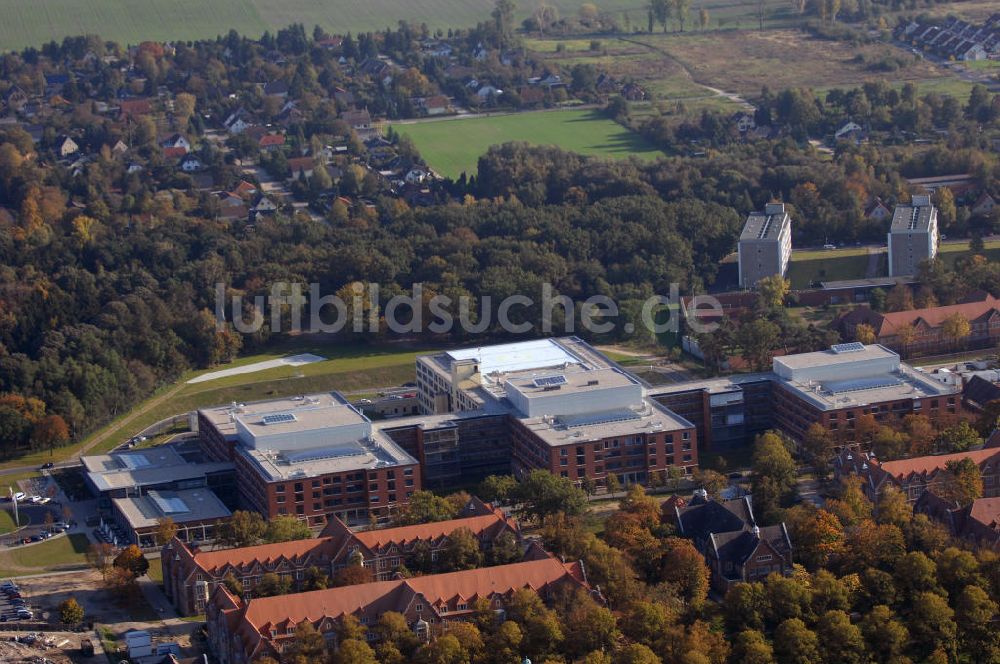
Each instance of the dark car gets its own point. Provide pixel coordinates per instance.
(47, 465)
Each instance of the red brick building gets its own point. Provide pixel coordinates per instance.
(310, 457)
(190, 576)
(240, 631)
(916, 475)
(927, 327)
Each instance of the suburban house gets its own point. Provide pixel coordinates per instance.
(271, 142)
(734, 546)
(877, 210)
(130, 108)
(66, 146)
(921, 331)
(916, 475)
(242, 631)
(176, 141)
(978, 523)
(191, 164)
(190, 575)
(357, 119)
(984, 204)
(301, 166)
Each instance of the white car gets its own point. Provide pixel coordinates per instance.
(36, 499)
(45, 500)
(19, 496)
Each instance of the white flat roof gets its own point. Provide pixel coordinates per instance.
(828, 358)
(519, 356)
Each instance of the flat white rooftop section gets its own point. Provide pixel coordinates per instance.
(323, 420)
(519, 356)
(843, 362)
(572, 393)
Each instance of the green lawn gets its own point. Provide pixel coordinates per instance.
(53, 555)
(156, 570)
(6, 522)
(453, 146)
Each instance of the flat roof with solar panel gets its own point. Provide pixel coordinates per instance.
(186, 506)
(853, 374)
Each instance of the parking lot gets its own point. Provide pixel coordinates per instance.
(14, 606)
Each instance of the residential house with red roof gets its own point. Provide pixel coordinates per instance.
(190, 576)
(241, 631)
(927, 325)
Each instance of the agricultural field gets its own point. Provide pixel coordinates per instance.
(33, 22)
(453, 146)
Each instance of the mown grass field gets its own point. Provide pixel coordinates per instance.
(454, 146)
(49, 556)
(34, 22)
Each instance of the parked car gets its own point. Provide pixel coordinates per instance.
(36, 499)
(45, 500)
(47, 465)
(19, 496)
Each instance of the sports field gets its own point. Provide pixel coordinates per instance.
(453, 146)
(34, 22)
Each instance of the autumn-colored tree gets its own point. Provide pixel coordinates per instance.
(49, 433)
(166, 530)
(353, 651)
(885, 636)
(132, 559)
(906, 334)
(794, 643)
(920, 433)
(956, 328)
(772, 291)
(899, 298)
(461, 551)
(70, 612)
(840, 641)
(818, 535)
(352, 574)
(711, 481)
(243, 528)
(864, 333)
(974, 613)
(751, 647)
(683, 568)
(817, 447)
(873, 545)
(962, 481)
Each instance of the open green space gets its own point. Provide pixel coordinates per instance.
(453, 146)
(6, 522)
(49, 556)
(34, 22)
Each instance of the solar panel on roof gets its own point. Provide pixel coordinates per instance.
(546, 381)
(859, 384)
(318, 453)
(278, 418)
(168, 504)
(604, 417)
(852, 347)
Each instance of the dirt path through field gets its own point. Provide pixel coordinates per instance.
(731, 96)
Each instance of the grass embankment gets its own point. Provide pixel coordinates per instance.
(348, 368)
